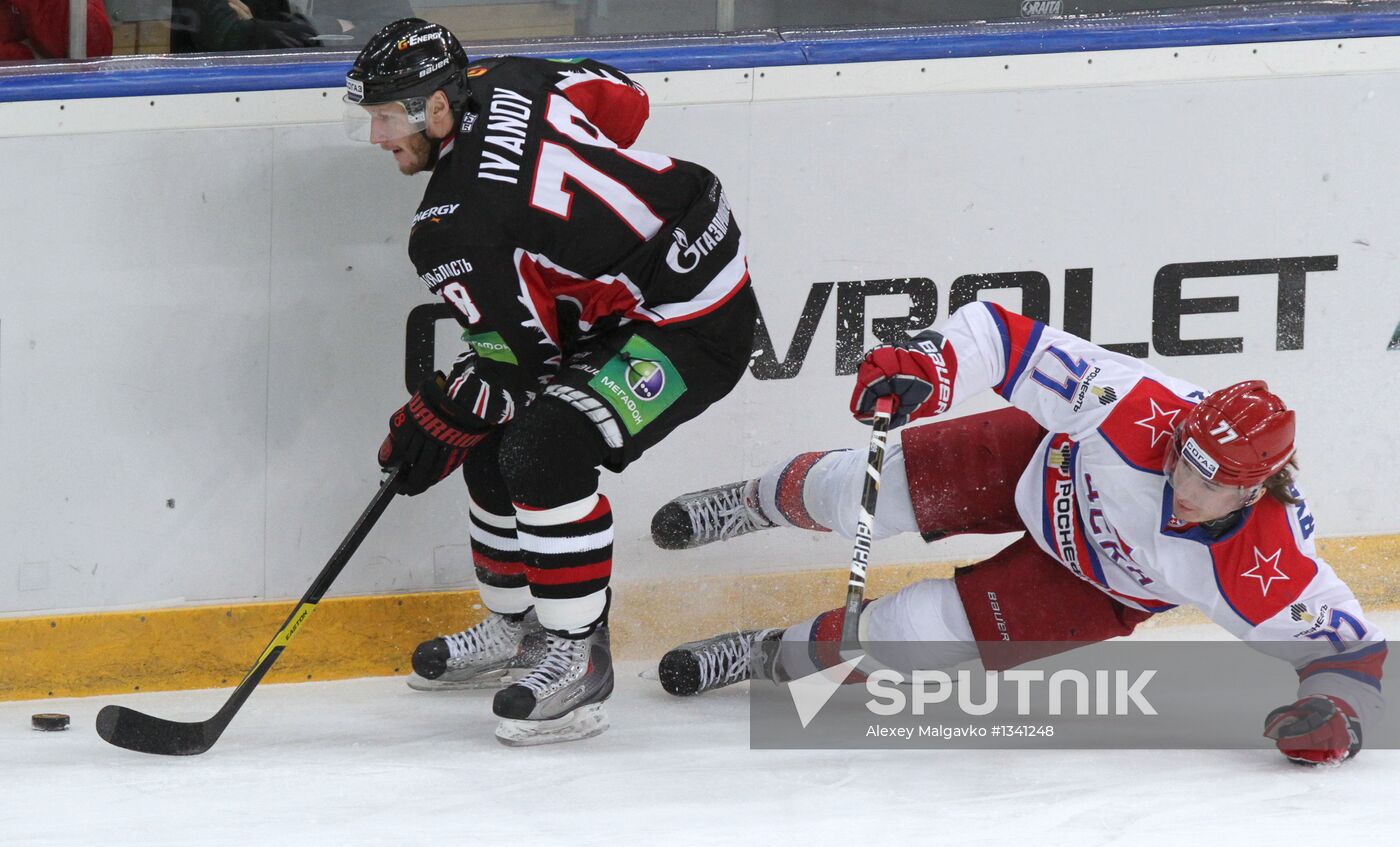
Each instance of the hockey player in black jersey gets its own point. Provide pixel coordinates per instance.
(606, 300)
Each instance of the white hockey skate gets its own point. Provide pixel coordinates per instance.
(495, 653)
(703, 517)
(699, 666)
(562, 699)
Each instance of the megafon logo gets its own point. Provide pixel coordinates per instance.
(646, 378)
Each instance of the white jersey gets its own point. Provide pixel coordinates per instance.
(1096, 499)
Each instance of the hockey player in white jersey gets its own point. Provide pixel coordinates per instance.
(1136, 493)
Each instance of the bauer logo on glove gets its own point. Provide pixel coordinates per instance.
(919, 371)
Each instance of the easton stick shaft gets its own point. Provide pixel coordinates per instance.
(147, 734)
(860, 552)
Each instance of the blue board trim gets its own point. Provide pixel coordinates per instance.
(798, 47)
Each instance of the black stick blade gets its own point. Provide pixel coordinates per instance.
(140, 732)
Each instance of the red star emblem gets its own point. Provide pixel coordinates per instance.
(1265, 579)
(1161, 423)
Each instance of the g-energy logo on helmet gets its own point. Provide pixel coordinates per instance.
(415, 40)
(1200, 459)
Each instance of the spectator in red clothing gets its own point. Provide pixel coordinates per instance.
(38, 29)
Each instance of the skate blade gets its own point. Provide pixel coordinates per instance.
(488, 680)
(583, 722)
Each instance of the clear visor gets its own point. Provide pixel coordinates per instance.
(383, 122)
(1207, 500)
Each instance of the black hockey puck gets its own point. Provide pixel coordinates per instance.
(49, 721)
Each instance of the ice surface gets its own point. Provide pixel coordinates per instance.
(370, 762)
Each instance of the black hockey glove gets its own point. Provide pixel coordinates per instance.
(919, 371)
(1317, 730)
(429, 437)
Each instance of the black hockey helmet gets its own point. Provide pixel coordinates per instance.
(409, 58)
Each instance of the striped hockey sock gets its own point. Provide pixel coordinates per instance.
(781, 492)
(500, 569)
(568, 561)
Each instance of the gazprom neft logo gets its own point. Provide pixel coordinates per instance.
(685, 253)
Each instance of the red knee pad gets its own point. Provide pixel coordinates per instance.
(963, 472)
(824, 642)
(1021, 601)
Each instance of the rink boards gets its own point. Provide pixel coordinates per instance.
(209, 315)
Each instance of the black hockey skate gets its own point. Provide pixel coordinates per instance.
(699, 666)
(703, 517)
(562, 699)
(494, 653)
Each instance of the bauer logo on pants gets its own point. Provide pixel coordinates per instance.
(639, 383)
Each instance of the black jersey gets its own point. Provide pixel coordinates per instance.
(542, 228)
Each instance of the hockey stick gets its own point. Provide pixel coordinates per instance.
(860, 554)
(146, 734)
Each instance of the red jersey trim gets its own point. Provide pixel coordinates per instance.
(1260, 571)
(1139, 429)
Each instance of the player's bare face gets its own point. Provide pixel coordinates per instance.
(1196, 499)
(394, 128)
(410, 152)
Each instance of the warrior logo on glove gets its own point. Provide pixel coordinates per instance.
(428, 437)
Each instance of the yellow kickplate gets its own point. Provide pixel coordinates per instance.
(214, 646)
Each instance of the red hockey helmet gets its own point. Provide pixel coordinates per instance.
(1240, 435)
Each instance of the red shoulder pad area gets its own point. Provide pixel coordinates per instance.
(1259, 569)
(1140, 427)
(617, 109)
